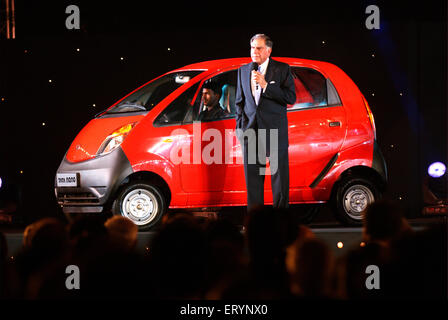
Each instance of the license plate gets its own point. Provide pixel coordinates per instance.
(67, 180)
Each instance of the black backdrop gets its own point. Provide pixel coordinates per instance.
(401, 69)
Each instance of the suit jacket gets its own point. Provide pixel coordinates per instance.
(271, 110)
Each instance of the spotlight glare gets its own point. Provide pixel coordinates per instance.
(340, 245)
(1, 182)
(436, 169)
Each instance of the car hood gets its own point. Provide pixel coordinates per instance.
(88, 141)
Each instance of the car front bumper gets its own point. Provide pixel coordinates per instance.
(98, 180)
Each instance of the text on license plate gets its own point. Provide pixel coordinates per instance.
(67, 180)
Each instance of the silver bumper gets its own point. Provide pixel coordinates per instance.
(99, 179)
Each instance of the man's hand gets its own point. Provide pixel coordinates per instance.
(259, 78)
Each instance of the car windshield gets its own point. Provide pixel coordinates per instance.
(150, 95)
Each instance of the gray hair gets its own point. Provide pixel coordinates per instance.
(266, 39)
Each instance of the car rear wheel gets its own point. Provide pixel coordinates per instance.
(353, 196)
(142, 203)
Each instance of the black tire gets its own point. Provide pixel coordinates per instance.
(352, 197)
(142, 203)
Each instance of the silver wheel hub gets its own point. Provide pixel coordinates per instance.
(140, 206)
(356, 200)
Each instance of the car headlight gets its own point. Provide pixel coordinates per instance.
(115, 139)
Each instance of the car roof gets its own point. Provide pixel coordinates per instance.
(213, 65)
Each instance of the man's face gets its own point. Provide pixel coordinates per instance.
(259, 52)
(210, 97)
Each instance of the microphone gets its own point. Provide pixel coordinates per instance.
(255, 68)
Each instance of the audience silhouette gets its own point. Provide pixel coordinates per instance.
(191, 257)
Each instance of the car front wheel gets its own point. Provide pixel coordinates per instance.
(143, 204)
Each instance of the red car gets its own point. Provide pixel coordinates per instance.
(147, 152)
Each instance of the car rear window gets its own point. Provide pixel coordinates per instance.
(312, 90)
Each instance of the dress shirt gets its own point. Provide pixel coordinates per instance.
(262, 69)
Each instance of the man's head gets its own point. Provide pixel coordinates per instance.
(260, 48)
(123, 232)
(211, 92)
(384, 221)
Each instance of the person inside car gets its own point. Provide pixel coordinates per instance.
(211, 93)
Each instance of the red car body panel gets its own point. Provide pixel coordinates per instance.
(88, 141)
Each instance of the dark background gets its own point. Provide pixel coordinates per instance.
(407, 56)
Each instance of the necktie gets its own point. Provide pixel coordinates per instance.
(257, 90)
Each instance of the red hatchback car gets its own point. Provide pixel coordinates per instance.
(148, 152)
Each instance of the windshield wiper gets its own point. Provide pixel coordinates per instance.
(132, 107)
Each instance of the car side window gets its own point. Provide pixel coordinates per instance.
(177, 111)
(224, 108)
(312, 90)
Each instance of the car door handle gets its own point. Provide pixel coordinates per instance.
(335, 124)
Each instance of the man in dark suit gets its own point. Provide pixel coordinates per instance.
(265, 88)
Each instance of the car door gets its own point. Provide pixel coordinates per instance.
(215, 174)
(317, 126)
